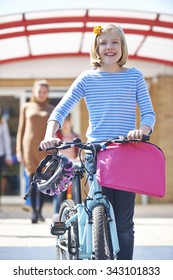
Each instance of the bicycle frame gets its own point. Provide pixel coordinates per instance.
(84, 217)
(85, 236)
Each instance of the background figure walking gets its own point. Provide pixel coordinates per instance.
(32, 124)
(27, 203)
(5, 146)
(66, 134)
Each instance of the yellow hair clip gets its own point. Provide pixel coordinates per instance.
(97, 30)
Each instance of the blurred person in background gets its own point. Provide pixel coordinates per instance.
(27, 203)
(31, 129)
(5, 145)
(66, 134)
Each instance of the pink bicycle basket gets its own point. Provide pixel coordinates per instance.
(134, 167)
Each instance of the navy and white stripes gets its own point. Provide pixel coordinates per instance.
(111, 100)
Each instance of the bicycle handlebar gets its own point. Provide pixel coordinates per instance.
(95, 145)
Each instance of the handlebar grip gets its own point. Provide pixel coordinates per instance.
(60, 147)
(41, 150)
(77, 140)
(145, 138)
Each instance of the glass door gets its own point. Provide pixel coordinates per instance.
(10, 185)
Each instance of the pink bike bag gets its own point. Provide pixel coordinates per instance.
(134, 167)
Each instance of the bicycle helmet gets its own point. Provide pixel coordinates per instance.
(54, 174)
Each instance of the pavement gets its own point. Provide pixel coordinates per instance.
(21, 240)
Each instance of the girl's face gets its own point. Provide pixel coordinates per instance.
(41, 93)
(109, 49)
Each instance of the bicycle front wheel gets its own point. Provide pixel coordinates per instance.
(67, 244)
(102, 243)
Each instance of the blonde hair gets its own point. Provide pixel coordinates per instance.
(39, 83)
(94, 55)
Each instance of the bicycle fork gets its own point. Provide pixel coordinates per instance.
(85, 221)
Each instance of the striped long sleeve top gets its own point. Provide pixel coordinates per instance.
(111, 100)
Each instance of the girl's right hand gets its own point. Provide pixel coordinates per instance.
(49, 142)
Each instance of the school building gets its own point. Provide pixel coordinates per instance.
(54, 45)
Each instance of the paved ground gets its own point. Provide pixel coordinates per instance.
(19, 239)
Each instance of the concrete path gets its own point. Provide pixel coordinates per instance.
(21, 240)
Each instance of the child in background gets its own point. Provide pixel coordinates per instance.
(66, 134)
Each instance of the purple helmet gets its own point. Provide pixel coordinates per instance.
(57, 175)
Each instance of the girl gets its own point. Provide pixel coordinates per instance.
(32, 125)
(111, 93)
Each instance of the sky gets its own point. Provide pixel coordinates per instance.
(18, 6)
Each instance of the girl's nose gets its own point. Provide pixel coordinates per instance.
(110, 46)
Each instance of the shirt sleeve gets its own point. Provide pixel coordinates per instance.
(147, 114)
(71, 98)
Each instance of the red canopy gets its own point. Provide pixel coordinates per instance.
(68, 33)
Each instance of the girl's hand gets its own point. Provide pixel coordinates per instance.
(138, 133)
(135, 135)
(50, 142)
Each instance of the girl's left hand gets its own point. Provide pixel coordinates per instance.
(135, 134)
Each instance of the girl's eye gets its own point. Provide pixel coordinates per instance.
(102, 43)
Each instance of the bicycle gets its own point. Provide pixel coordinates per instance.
(87, 229)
